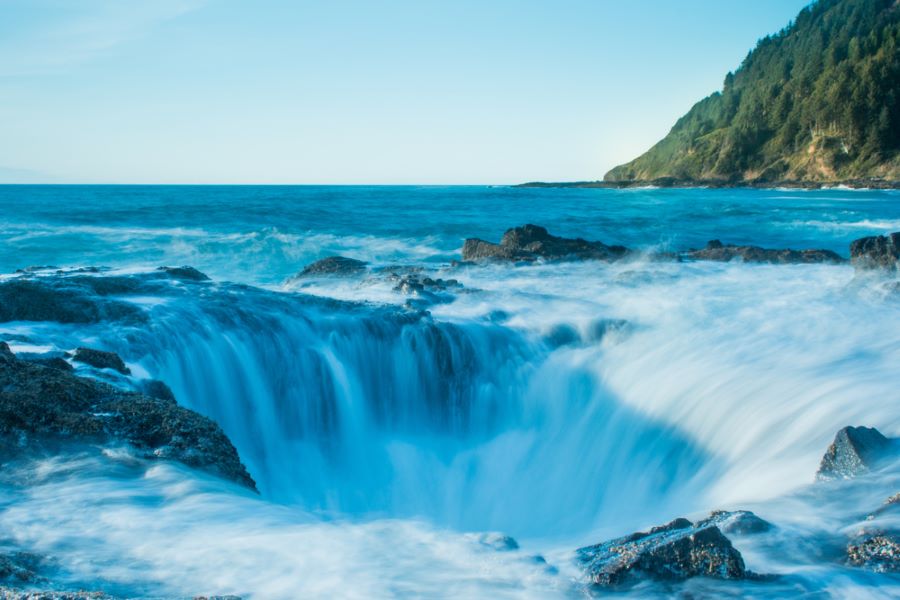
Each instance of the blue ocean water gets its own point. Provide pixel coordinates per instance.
(560, 403)
(265, 233)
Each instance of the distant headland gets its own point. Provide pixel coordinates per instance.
(815, 105)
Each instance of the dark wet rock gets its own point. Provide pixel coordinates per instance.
(532, 242)
(562, 335)
(876, 252)
(672, 552)
(111, 285)
(476, 250)
(739, 522)
(498, 541)
(855, 450)
(157, 389)
(336, 266)
(717, 251)
(426, 290)
(62, 300)
(879, 552)
(101, 359)
(184, 273)
(54, 362)
(20, 567)
(38, 402)
(7, 593)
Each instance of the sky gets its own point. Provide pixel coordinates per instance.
(356, 91)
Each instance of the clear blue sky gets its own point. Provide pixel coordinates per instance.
(355, 91)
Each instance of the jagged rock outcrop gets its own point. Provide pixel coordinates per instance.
(532, 242)
(672, 552)
(39, 402)
(101, 359)
(717, 251)
(855, 450)
(336, 266)
(876, 252)
(739, 522)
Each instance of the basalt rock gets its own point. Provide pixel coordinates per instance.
(157, 389)
(184, 273)
(855, 450)
(717, 251)
(63, 300)
(532, 242)
(336, 266)
(739, 522)
(39, 403)
(876, 252)
(101, 359)
(672, 552)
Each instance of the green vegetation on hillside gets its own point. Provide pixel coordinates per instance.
(819, 101)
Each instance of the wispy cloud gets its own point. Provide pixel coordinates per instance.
(40, 36)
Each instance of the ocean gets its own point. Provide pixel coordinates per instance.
(562, 404)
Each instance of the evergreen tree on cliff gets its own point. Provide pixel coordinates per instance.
(819, 101)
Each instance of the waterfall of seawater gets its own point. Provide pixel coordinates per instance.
(359, 410)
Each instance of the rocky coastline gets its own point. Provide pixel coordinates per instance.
(671, 182)
(45, 406)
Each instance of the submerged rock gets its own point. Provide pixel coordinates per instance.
(672, 552)
(20, 567)
(855, 450)
(876, 252)
(532, 242)
(717, 251)
(38, 402)
(101, 359)
(337, 266)
(879, 552)
(63, 300)
(498, 541)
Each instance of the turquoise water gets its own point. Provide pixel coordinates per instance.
(262, 234)
(562, 404)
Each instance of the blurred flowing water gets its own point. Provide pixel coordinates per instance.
(557, 403)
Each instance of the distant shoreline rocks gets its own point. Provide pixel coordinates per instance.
(717, 251)
(531, 243)
(333, 266)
